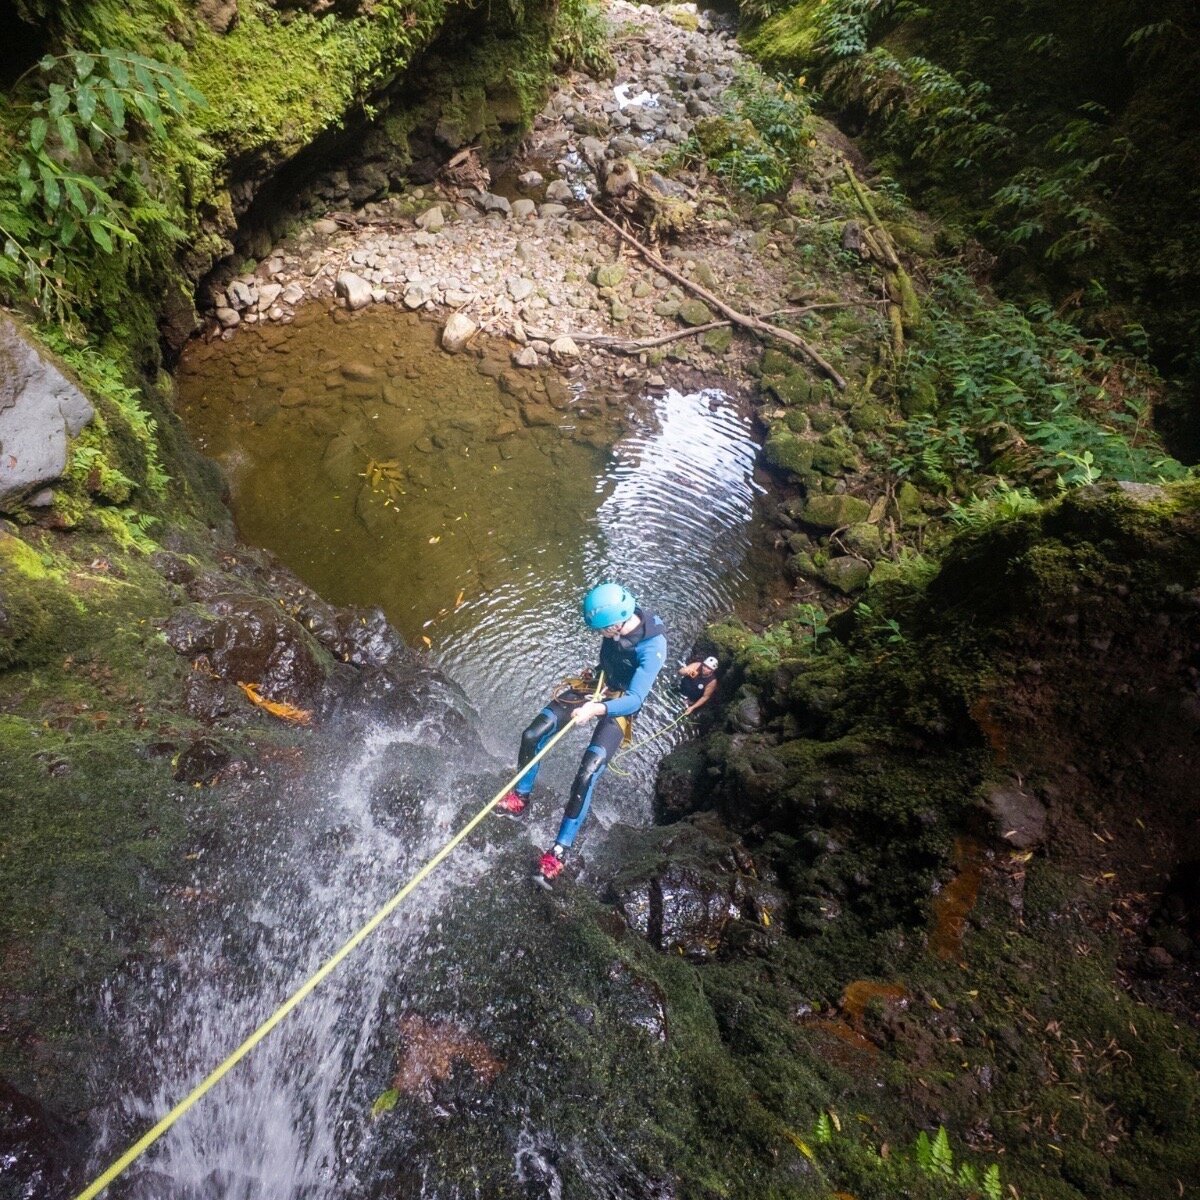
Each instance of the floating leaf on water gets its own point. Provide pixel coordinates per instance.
(385, 1103)
(459, 598)
(433, 541)
(427, 641)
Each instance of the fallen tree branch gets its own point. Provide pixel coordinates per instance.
(904, 311)
(605, 341)
(755, 324)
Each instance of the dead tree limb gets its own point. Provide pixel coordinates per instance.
(605, 341)
(905, 309)
(755, 324)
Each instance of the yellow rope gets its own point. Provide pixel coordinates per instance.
(151, 1136)
(645, 742)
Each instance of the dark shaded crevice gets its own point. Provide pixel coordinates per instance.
(22, 45)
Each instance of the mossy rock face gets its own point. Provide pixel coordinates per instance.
(784, 450)
(717, 341)
(864, 540)
(846, 573)
(865, 417)
(832, 458)
(911, 238)
(609, 275)
(695, 312)
(919, 396)
(908, 504)
(796, 388)
(775, 362)
(797, 421)
(835, 512)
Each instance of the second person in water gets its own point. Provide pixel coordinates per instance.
(632, 652)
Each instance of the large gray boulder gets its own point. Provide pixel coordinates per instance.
(40, 411)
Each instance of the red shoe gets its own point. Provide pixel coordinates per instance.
(550, 865)
(512, 804)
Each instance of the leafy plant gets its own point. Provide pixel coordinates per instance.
(879, 626)
(83, 181)
(760, 140)
(1022, 395)
(1003, 504)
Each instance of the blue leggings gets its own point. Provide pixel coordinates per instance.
(606, 738)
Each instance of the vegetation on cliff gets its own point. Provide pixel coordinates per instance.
(1050, 132)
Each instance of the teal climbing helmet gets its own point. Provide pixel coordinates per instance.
(607, 604)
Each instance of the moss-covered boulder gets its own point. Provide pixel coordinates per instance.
(835, 512)
(787, 452)
(846, 573)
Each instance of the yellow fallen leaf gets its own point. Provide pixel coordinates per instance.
(277, 708)
(433, 541)
(459, 598)
(801, 1145)
(427, 641)
(934, 1004)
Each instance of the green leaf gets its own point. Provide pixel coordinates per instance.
(991, 1183)
(66, 134)
(11, 249)
(191, 94)
(100, 236)
(145, 79)
(385, 1102)
(85, 64)
(924, 1151)
(68, 231)
(59, 100)
(50, 188)
(85, 104)
(28, 190)
(115, 104)
(118, 70)
(37, 132)
(75, 194)
(943, 1156)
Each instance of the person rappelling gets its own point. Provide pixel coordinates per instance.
(632, 652)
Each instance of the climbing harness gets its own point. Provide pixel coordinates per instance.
(573, 691)
(312, 982)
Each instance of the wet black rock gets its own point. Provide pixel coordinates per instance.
(206, 698)
(254, 641)
(173, 568)
(34, 1147)
(201, 761)
(640, 1001)
(679, 785)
